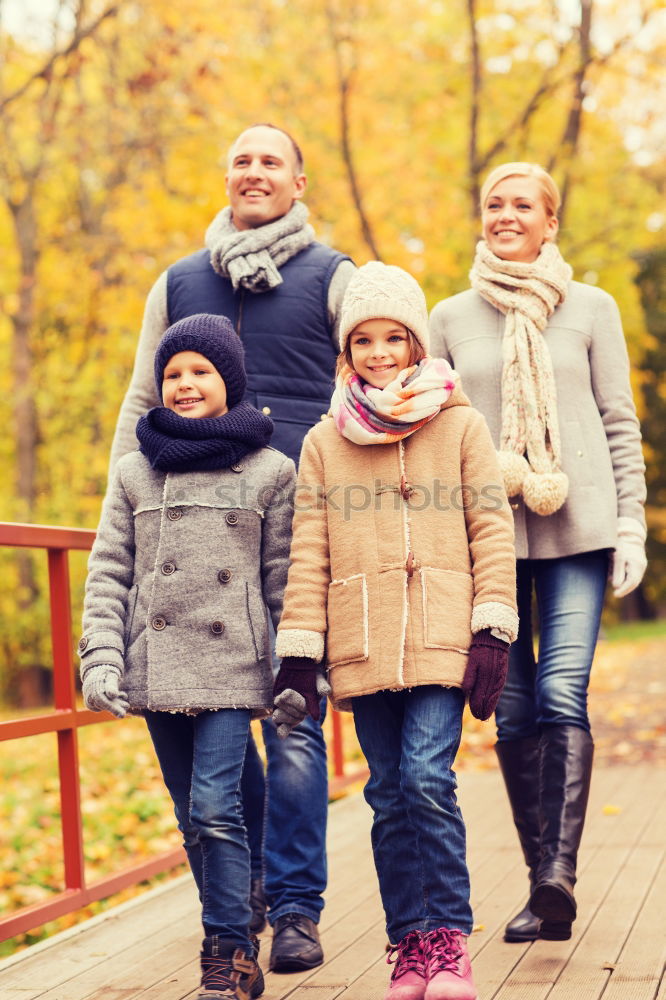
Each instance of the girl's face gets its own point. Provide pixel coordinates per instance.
(380, 349)
(515, 221)
(193, 387)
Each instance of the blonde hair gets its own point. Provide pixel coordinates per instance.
(549, 189)
(344, 362)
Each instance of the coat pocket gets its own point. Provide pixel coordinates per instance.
(132, 595)
(347, 635)
(256, 614)
(448, 597)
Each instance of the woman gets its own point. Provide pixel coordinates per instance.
(544, 359)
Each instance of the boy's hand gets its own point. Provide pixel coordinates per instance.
(485, 674)
(101, 690)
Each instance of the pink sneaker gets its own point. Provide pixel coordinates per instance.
(408, 980)
(448, 968)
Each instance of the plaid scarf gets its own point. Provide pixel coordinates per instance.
(366, 415)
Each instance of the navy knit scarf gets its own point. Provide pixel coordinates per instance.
(172, 443)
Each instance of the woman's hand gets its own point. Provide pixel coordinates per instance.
(629, 561)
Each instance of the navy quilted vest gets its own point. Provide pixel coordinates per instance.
(289, 355)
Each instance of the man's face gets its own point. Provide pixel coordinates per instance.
(262, 182)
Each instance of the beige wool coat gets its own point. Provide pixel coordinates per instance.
(400, 553)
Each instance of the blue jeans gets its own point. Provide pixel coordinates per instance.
(295, 871)
(253, 792)
(201, 757)
(410, 740)
(553, 691)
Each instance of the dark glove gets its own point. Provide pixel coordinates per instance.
(487, 666)
(299, 674)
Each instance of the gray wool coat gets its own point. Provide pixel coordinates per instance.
(179, 578)
(599, 430)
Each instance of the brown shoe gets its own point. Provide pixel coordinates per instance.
(227, 973)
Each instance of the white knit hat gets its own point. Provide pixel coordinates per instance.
(383, 291)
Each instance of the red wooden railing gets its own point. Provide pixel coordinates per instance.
(65, 720)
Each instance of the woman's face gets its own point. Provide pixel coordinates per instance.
(515, 221)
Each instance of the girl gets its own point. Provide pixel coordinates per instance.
(194, 538)
(402, 571)
(544, 359)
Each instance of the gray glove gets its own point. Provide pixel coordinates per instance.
(289, 707)
(101, 690)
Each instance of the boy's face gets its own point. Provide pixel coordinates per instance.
(193, 387)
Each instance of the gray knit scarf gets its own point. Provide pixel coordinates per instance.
(251, 258)
(527, 294)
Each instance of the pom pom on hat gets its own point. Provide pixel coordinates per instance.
(215, 338)
(383, 291)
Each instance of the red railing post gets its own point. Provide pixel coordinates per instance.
(65, 699)
(338, 750)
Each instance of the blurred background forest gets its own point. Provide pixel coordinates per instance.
(115, 119)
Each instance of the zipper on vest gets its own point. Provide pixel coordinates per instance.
(239, 318)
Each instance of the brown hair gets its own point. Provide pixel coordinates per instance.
(344, 362)
(295, 148)
(549, 189)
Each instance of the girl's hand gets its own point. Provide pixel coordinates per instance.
(101, 690)
(485, 674)
(299, 673)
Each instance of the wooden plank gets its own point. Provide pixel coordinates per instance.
(640, 968)
(498, 968)
(148, 949)
(42, 968)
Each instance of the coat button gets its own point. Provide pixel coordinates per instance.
(83, 643)
(224, 575)
(168, 568)
(322, 416)
(217, 628)
(174, 514)
(158, 623)
(232, 517)
(514, 506)
(236, 468)
(266, 410)
(580, 454)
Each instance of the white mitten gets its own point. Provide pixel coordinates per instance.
(101, 690)
(629, 560)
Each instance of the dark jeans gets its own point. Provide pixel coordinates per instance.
(553, 690)
(410, 740)
(201, 757)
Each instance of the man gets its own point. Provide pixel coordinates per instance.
(282, 290)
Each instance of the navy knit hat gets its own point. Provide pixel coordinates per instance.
(215, 338)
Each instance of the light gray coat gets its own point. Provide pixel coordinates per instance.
(181, 572)
(600, 433)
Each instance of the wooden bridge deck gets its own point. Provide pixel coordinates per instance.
(147, 949)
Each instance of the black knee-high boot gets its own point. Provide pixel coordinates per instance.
(519, 763)
(564, 784)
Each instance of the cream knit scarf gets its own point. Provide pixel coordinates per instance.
(251, 258)
(530, 453)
